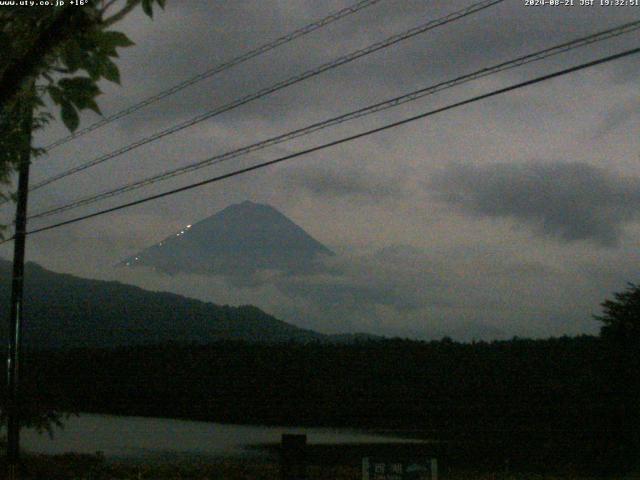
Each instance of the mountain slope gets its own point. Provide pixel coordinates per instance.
(239, 240)
(64, 311)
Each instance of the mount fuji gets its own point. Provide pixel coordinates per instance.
(242, 239)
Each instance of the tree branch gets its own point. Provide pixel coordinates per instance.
(131, 4)
(107, 6)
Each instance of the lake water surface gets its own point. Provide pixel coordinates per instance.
(144, 438)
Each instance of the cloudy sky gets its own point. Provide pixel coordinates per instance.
(516, 215)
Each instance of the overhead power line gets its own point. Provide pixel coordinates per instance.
(412, 32)
(342, 140)
(332, 17)
(378, 107)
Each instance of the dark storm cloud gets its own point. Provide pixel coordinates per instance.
(167, 53)
(488, 37)
(334, 183)
(570, 201)
(618, 118)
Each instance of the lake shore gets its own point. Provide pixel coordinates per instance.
(95, 467)
(111, 447)
(159, 439)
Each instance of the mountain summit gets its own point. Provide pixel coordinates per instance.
(240, 240)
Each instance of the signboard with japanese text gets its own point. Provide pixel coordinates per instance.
(385, 469)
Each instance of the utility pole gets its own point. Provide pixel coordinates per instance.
(17, 284)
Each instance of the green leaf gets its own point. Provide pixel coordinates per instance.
(56, 94)
(83, 84)
(88, 41)
(93, 68)
(147, 7)
(104, 44)
(74, 94)
(161, 3)
(114, 39)
(91, 104)
(110, 71)
(69, 116)
(37, 102)
(79, 87)
(72, 56)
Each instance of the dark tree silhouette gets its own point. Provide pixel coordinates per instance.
(620, 367)
(621, 316)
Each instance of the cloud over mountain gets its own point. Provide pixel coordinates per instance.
(351, 183)
(569, 201)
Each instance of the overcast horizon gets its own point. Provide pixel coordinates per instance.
(514, 216)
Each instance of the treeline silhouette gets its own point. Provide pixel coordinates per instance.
(65, 311)
(544, 403)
